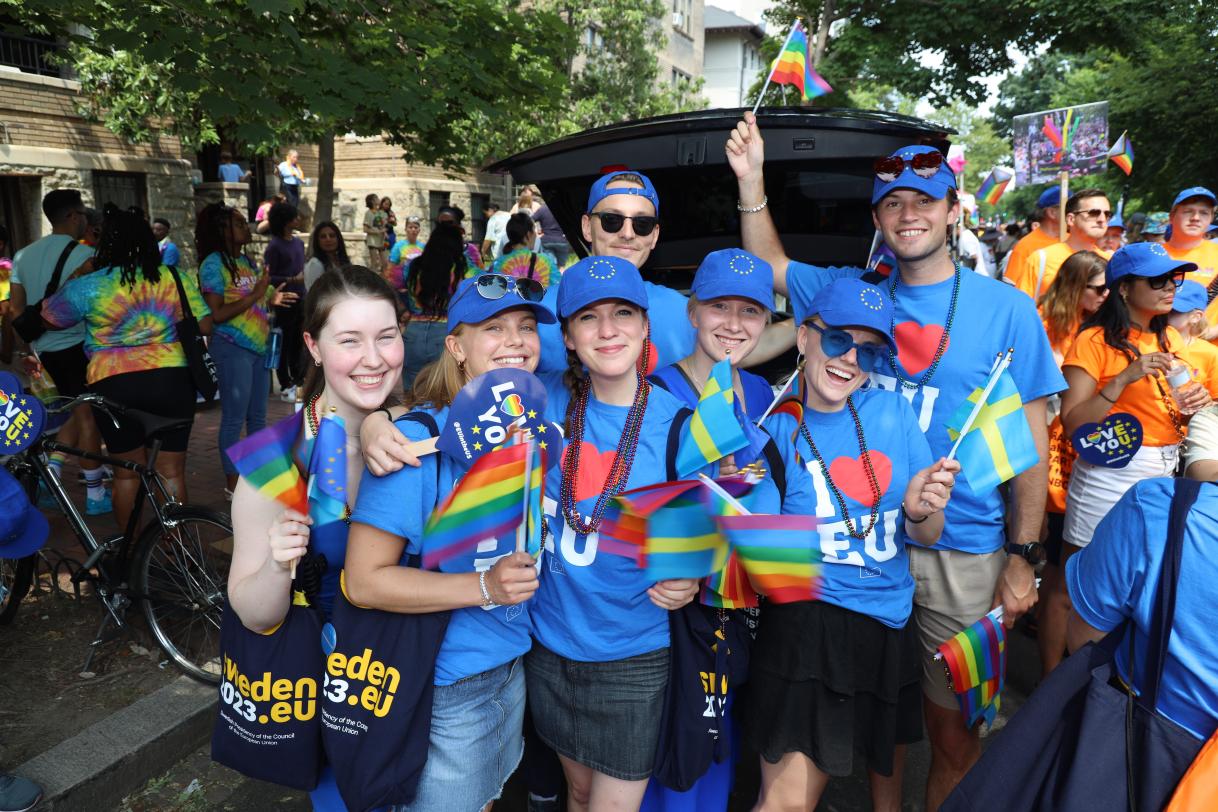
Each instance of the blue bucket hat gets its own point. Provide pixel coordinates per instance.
(23, 530)
(733, 272)
(1194, 191)
(849, 302)
(936, 186)
(1148, 259)
(1190, 296)
(595, 279)
(1050, 198)
(598, 192)
(468, 306)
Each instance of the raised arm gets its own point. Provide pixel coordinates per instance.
(746, 157)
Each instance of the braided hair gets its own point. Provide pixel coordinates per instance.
(127, 243)
(211, 235)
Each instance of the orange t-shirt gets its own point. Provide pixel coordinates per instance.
(1142, 398)
(1034, 240)
(1204, 255)
(1043, 265)
(1061, 347)
(1202, 356)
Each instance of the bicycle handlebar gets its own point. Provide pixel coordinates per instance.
(106, 406)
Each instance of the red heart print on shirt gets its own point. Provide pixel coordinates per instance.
(849, 474)
(594, 468)
(916, 345)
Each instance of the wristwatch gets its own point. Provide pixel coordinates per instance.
(1033, 552)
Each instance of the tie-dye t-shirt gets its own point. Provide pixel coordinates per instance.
(127, 328)
(248, 329)
(517, 262)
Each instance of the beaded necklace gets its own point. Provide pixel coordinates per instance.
(619, 472)
(315, 426)
(1172, 412)
(943, 339)
(867, 466)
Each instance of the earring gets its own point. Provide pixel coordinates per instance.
(316, 362)
(461, 367)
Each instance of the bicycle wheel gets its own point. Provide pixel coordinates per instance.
(16, 574)
(179, 574)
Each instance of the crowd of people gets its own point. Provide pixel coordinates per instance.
(562, 664)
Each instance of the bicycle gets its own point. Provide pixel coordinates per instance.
(175, 568)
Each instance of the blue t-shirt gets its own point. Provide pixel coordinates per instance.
(590, 607)
(869, 576)
(1114, 578)
(478, 639)
(990, 318)
(671, 333)
(757, 390)
(231, 173)
(170, 255)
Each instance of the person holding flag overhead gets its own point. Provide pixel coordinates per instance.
(811, 702)
(478, 706)
(947, 327)
(350, 330)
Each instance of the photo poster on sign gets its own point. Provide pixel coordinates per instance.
(1069, 139)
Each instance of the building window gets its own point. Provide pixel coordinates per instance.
(593, 40)
(680, 77)
(29, 54)
(435, 202)
(123, 189)
(681, 12)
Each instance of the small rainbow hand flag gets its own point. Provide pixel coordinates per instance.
(266, 461)
(778, 553)
(994, 185)
(729, 588)
(486, 503)
(976, 661)
(794, 66)
(1121, 153)
(713, 431)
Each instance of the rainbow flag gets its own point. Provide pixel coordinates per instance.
(267, 462)
(994, 185)
(486, 503)
(778, 553)
(794, 66)
(713, 431)
(534, 497)
(1121, 153)
(999, 445)
(882, 260)
(729, 588)
(975, 661)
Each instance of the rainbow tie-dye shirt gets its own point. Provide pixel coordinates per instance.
(249, 329)
(127, 329)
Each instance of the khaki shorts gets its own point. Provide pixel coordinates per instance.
(952, 590)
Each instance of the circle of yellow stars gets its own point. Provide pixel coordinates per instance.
(25, 435)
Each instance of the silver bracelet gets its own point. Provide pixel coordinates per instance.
(765, 200)
(486, 595)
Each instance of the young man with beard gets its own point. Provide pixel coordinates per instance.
(948, 326)
(1087, 216)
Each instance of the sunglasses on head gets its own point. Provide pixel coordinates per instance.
(835, 342)
(1094, 214)
(496, 286)
(612, 222)
(924, 165)
(1176, 278)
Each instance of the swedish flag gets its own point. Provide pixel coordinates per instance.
(713, 429)
(999, 444)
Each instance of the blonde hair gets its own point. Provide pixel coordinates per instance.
(438, 382)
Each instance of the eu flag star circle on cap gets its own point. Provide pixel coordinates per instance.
(871, 298)
(22, 416)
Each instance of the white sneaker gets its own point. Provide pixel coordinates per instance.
(288, 395)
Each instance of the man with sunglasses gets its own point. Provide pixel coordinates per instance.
(1087, 216)
(949, 326)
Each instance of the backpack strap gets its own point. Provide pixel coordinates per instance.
(675, 430)
(53, 285)
(777, 469)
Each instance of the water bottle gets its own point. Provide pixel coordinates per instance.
(274, 348)
(41, 385)
(1180, 378)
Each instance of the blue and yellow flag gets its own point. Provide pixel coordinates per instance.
(328, 472)
(713, 429)
(999, 445)
(534, 496)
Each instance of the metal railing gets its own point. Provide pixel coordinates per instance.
(28, 54)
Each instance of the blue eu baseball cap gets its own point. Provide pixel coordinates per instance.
(469, 306)
(599, 192)
(849, 302)
(23, 529)
(595, 279)
(936, 185)
(733, 272)
(1190, 296)
(1050, 198)
(1147, 259)
(1194, 191)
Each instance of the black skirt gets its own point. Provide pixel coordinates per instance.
(828, 682)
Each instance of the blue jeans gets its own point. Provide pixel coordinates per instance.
(424, 342)
(245, 383)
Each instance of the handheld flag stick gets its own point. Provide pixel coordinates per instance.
(522, 528)
(778, 397)
(999, 367)
(724, 495)
(770, 75)
(875, 241)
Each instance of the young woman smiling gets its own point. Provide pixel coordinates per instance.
(812, 700)
(351, 335)
(478, 706)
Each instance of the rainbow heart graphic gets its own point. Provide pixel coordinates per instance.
(512, 406)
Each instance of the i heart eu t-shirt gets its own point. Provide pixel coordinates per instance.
(990, 318)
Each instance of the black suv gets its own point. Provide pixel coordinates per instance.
(818, 179)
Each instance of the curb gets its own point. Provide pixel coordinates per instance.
(98, 767)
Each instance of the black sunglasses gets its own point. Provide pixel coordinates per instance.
(1095, 214)
(496, 286)
(1100, 289)
(836, 343)
(612, 222)
(1159, 282)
